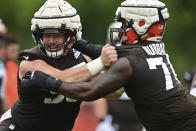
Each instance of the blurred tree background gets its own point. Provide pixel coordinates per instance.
(96, 15)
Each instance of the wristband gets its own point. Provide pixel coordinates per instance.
(95, 66)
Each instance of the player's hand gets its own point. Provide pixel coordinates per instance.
(108, 55)
(38, 80)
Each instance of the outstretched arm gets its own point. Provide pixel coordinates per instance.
(82, 73)
(117, 76)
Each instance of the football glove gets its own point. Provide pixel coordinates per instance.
(41, 81)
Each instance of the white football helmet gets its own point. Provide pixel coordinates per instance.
(56, 16)
(3, 28)
(141, 16)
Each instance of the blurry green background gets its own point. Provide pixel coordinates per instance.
(96, 15)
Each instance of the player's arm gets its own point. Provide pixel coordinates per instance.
(82, 73)
(114, 95)
(116, 77)
(66, 75)
(89, 49)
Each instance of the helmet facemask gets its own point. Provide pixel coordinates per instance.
(118, 36)
(55, 51)
(115, 36)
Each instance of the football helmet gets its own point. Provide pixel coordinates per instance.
(56, 16)
(3, 28)
(141, 20)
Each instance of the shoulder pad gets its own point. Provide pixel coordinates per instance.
(31, 54)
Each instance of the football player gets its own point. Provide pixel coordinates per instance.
(56, 27)
(143, 69)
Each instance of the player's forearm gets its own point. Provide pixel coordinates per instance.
(88, 91)
(76, 75)
(76, 90)
(82, 91)
(85, 72)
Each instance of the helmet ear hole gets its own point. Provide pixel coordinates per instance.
(141, 23)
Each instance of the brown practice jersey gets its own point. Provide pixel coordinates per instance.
(37, 110)
(159, 98)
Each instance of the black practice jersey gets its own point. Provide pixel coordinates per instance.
(46, 110)
(159, 98)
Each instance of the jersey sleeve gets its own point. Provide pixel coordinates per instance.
(89, 49)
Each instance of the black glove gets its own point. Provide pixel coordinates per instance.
(39, 80)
